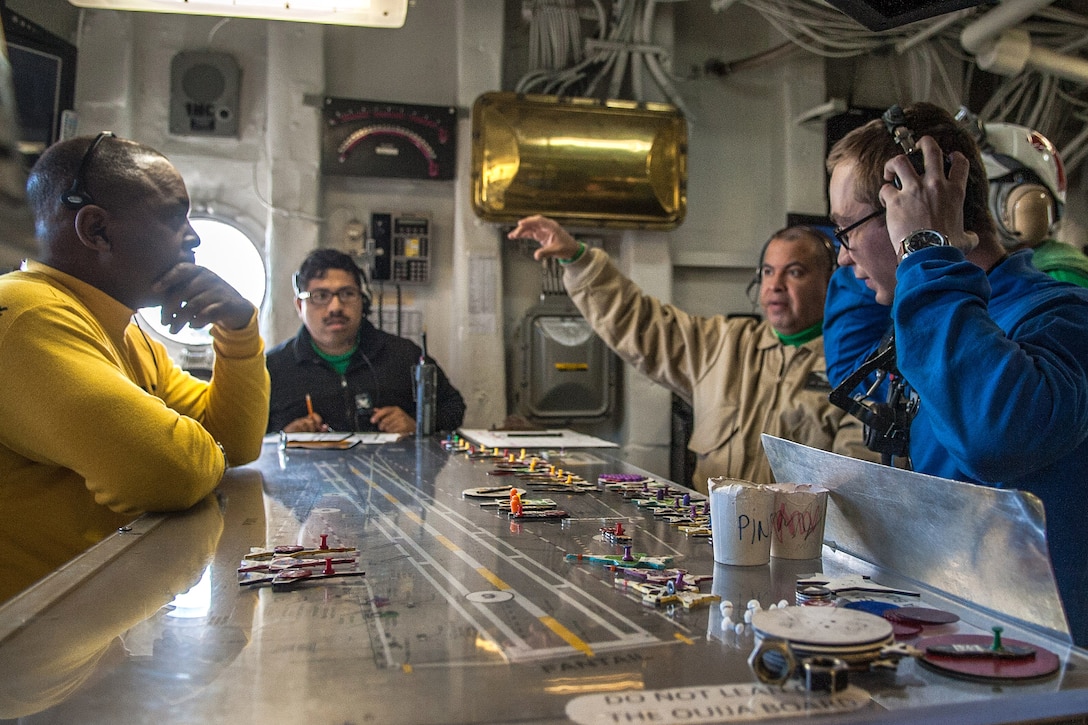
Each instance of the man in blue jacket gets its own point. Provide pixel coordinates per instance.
(994, 353)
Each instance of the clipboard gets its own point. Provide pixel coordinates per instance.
(318, 441)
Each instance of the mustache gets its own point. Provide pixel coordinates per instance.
(335, 316)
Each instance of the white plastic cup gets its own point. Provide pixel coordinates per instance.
(740, 521)
(797, 525)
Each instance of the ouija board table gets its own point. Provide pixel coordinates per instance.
(464, 613)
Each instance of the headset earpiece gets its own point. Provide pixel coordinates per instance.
(1024, 209)
(77, 195)
(1028, 213)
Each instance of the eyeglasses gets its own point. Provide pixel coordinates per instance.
(841, 232)
(322, 297)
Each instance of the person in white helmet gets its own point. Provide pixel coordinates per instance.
(1027, 198)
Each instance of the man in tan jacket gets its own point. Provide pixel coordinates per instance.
(743, 377)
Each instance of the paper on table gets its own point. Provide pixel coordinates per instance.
(373, 438)
(316, 437)
(335, 441)
(549, 438)
(331, 439)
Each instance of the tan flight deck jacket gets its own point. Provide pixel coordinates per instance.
(740, 380)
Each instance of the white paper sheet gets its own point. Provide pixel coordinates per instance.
(549, 438)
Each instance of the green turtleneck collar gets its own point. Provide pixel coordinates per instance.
(800, 338)
(339, 362)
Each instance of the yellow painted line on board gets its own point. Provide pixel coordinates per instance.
(446, 542)
(569, 637)
(493, 578)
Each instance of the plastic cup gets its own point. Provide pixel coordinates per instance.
(740, 521)
(797, 525)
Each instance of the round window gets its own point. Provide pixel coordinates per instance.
(232, 254)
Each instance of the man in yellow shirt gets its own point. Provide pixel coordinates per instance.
(97, 424)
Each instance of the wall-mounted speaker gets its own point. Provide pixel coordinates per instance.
(204, 94)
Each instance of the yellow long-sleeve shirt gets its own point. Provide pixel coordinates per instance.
(98, 425)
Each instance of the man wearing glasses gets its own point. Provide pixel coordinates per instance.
(993, 352)
(340, 372)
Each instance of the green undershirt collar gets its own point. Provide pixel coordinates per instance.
(800, 338)
(339, 363)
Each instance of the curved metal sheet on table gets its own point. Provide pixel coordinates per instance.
(980, 544)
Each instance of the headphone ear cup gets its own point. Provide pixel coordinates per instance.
(1028, 213)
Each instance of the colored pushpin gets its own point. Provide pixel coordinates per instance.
(619, 528)
(328, 567)
(324, 541)
(997, 646)
(687, 499)
(515, 502)
(627, 553)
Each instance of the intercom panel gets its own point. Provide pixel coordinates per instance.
(204, 91)
(402, 247)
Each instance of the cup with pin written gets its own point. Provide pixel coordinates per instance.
(740, 521)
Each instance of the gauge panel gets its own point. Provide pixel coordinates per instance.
(388, 140)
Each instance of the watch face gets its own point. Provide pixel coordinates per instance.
(923, 238)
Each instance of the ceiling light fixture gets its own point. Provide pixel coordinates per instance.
(367, 13)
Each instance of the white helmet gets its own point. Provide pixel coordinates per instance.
(1027, 183)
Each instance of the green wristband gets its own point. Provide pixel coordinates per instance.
(577, 255)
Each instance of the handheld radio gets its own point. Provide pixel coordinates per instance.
(425, 379)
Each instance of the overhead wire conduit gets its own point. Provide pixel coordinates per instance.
(1000, 48)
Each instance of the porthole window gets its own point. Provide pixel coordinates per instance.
(229, 251)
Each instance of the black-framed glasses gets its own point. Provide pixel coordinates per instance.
(322, 297)
(842, 232)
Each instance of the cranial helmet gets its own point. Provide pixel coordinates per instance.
(1027, 183)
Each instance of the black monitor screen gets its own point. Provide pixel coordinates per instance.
(885, 14)
(43, 70)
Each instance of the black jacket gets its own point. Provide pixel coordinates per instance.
(379, 374)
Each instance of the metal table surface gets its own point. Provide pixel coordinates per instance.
(463, 616)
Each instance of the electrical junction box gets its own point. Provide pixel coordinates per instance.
(565, 371)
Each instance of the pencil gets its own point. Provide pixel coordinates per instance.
(309, 405)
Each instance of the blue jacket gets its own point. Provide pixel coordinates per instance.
(1000, 364)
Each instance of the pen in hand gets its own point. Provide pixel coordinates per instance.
(319, 425)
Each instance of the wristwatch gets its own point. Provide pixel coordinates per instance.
(920, 239)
